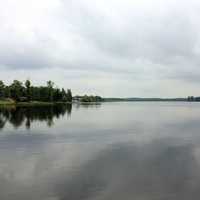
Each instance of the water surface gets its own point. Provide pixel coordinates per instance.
(112, 151)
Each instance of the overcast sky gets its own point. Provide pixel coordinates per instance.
(148, 48)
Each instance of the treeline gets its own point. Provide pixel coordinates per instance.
(192, 98)
(88, 99)
(26, 92)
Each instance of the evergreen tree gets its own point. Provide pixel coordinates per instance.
(19, 92)
(28, 90)
(2, 90)
(16, 90)
(69, 95)
(50, 85)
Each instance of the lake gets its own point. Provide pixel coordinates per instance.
(111, 151)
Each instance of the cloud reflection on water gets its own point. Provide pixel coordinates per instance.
(160, 159)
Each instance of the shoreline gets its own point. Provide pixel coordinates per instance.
(43, 103)
(33, 103)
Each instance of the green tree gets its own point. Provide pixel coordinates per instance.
(7, 92)
(50, 85)
(69, 95)
(28, 90)
(2, 90)
(16, 90)
(19, 92)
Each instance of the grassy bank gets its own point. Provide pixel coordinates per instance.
(6, 102)
(31, 103)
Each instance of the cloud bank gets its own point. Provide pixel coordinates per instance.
(112, 48)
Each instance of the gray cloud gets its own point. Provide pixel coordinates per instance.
(138, 41)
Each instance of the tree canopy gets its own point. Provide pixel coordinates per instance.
(88, 99)
(28, 92)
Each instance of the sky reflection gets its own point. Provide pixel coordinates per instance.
(119, 151)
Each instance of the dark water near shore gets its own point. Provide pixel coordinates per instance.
(112, 151)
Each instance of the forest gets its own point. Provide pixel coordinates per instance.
(26, 92)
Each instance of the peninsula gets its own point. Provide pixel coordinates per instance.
(26, 93)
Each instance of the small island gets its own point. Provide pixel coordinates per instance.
(87, 99)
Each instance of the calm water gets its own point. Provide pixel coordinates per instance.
(112, 151)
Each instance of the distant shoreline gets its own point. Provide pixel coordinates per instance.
(46, 103)
(149, 100)
(144, 99)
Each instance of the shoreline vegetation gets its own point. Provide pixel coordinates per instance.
(26, 94)
(19, 93)
(89, 100)
(30, 103)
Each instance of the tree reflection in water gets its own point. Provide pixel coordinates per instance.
(17, 115)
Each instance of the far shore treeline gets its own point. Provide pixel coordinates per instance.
(18, 91)
(26, 92)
